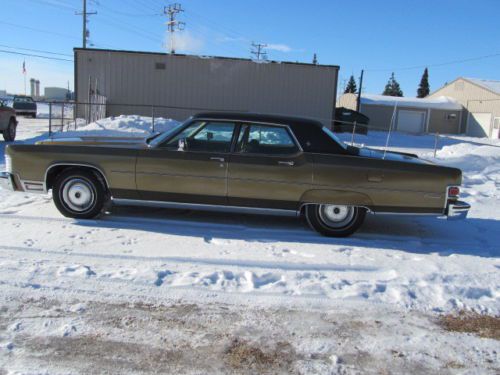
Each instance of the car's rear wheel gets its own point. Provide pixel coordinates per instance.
(9, 134)
(33, 115)
(334, 220)
(79, 194)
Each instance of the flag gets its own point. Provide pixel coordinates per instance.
(24, 67)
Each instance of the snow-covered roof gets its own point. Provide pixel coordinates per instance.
(487, 84)
(441, 102)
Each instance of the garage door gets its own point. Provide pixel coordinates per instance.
(478, 124)
(411, 121)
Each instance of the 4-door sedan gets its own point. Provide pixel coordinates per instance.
(237, 162)
(8, 122)
(25, 105)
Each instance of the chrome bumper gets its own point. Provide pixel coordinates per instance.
(7, 181)
(457, 210)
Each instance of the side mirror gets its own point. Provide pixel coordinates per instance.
(182, 144)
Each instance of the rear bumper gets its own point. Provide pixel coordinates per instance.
(457, 210)
(7, 181)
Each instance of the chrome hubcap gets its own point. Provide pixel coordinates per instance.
(336, 216)
(78, 195)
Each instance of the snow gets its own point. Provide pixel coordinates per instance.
(154, 280)
(122, 126)
(441, 102)
(487, 84)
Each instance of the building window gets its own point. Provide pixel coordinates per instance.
(160, 66)
(451, 116)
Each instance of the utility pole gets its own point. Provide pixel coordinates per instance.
(360, 90)
(173, 25)
(258, 51)
(85, 33)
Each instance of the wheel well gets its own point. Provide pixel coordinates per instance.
(56, 170)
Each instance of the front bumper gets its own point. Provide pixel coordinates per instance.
(7, 181)
(457, 210)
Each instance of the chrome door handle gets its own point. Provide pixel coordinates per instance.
(289, 163)
(217, 159)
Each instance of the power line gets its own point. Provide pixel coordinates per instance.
(32, 55)
(173, 25)
(38, 30)
(453, 62)
(36, 50)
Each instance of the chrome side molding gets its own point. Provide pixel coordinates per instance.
(206, 207)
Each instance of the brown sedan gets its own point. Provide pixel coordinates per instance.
(237, 162)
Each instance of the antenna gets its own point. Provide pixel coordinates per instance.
(393, 119)
(173, 25)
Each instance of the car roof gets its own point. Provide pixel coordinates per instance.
(309, 132)
(259, 117)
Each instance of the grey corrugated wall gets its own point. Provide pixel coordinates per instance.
(202, 84)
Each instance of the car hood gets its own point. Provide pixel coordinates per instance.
(131, 142)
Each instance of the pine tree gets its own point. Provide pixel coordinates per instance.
(315, 59)
(424, 88)
(392, 87)
(351, 86)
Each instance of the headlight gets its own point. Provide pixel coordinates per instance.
(8, 163)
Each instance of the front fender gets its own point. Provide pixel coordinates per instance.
(340, 197)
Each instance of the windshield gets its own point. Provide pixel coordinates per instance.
(156, 139)
(334, 137)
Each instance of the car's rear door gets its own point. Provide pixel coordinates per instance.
(196, 174)
(268, 168)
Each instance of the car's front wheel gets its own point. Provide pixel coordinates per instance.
(79, 194)
(334, 220)
(9, 134)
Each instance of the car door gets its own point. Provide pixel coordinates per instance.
(268, 168)
(194, 173)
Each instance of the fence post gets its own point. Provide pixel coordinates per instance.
(353, 131)
(75, 109)
(50, 118)
(436, 144)
(153, 118)
(62, 117)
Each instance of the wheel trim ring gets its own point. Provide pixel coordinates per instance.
(75, 191)
(333, 219)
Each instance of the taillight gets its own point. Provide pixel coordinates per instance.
(453, 192)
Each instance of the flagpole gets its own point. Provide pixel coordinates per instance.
(24, 73)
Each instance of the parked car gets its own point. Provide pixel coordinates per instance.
(25, 105)
(8, 122)
(237, 162)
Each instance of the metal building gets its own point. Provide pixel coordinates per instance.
(481, 101)
(411, 115)
(188, 84)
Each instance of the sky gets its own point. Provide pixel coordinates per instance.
(452, 37)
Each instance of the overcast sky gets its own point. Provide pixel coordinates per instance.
(380, 36)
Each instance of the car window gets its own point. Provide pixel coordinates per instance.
(205, 136)
(263, 139)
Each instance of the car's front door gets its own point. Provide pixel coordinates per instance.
(268, 168)
(194, 173)
(3, 116)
